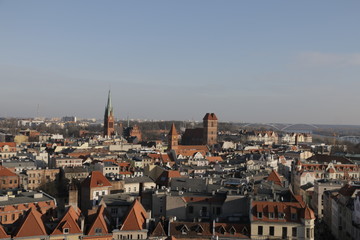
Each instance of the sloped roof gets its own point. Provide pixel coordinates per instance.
(158, 231)
(6, 172)
(96, 179)
(308, 213)
(135, 218)
(31, 225)
(3, 234)
(99, 222)
(69, 220)
(275, 177)
(173, 130)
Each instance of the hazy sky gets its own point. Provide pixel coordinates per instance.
(247, 61)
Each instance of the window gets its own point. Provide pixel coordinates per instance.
(294, 232)
(10, 181)
(66, 231)
(13, 216)
(271, 231)
(260, 230)
(218, 210)
(98, 230)
(191, 209)
(284, 232)
(259, 215)
(293, 216)
(307, 232)
(281, 215)
(271, 215)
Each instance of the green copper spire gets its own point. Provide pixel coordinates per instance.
(109, 108)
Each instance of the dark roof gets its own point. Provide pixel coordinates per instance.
(321, 158)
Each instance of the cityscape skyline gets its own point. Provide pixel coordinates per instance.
(247, 62)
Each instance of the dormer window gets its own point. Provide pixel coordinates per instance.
(66, 231)
(199, 229)
(259, 215)
(293, 216)
(98, 230)
(184, 229)
(281, 215)
(271, 215)
(222, 230)
(232, 230)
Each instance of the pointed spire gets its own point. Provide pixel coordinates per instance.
(109, 108)
(173, 130)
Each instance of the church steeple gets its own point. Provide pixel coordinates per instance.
(109, 129)
(173, 138)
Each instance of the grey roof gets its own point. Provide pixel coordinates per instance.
(119, 199)
(142, 179)
(26, 197)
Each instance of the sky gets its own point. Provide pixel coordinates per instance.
(247, 61)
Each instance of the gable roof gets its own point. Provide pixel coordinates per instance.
(173, 130)
(275, 177)
(69, 220)
(159, 231)
(135, 218)
(96, 179)
(99, 222)
(3, 233)
(31, 225)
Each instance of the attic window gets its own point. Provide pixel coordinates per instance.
(98, 230)
(259, 215)
(271, 215)
(184, 229)
(293, 216)
(199, 229)
(66, 230)
(281, 215)
(232, 230)
(222, 230)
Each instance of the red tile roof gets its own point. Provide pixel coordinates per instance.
(308, 213)
(275, 177)
(69, 220)
(31, 225)
(135, 219)
(10, 144)
(96, 179)
(6, 172)
(99, 223)
(271, 211)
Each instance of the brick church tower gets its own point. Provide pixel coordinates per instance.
(109, 128)
(210, 123)
(173, 138)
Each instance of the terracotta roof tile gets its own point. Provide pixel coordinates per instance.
(99, 223)
(31, 225)
(96, 179)
(69, 220)
(275, 177)
(135, 218)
